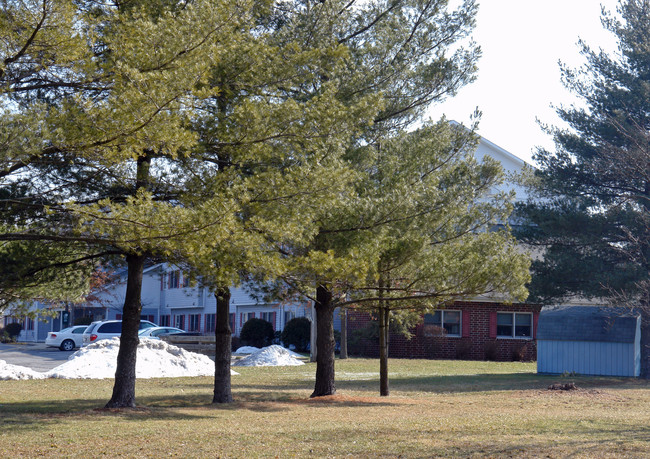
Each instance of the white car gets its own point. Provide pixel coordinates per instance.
(155, 332)
(66, 339)
(105, 329)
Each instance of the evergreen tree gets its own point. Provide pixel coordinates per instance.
(591, 217)
(442, 232)
(424, 227)
(97, 100)
(334, 75)
(401, 51)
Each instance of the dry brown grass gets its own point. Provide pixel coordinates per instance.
(436, 409)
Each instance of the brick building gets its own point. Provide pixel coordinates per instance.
(472, 330)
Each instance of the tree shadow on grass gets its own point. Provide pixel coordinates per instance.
(489, 383)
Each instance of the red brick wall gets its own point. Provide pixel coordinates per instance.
(477, 346)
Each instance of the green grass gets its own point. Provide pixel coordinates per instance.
(436, 408)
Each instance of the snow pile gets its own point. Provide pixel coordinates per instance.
(269, 356)
(15, 372)
(156, 359)
(246, 350)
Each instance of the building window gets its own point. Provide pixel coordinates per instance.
(269, 317)
(231, 316)
(11, 320)
(194, 323)
(514, 325)
(210, 323)
(29, 324)
(179, 321)
(173, 279)
(150, 318)
(445, 323)
(164, 320)
(288, 315)
(246, 316)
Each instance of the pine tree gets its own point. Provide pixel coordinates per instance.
(592, 215)
(97, 103)
(420, 231)
(400, 51)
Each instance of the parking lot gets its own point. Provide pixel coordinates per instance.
(33, 355)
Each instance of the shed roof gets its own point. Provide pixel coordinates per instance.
(587, 323)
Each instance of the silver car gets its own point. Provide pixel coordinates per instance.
(105, 329)
(156, 332)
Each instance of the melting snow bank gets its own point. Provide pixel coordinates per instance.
(269, 356)
(8, 371)
(156, 359)
(246, 350)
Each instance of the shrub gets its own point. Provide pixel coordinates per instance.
(363, 341)
(297, 332)
(256, 332)
(519, 353)
(491, 350)
(13, 330)
(464, 350)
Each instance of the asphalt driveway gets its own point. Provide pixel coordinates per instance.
(33, 355)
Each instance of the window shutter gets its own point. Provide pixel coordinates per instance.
(493, 324)
(118, 316)
(535, 319)
(465, 319)
(241, 319)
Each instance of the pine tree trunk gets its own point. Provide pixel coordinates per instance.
(223, 349)
(344, 334)
(645, 295)
(124, 387)
(325, 343)
(383, 351)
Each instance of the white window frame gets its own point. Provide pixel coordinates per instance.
(442, 322)
(514, 325)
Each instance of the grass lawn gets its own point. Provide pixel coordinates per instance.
(436, 408)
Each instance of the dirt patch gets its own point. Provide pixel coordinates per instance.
(563, 386)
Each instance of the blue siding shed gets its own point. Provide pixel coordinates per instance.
(589, 340)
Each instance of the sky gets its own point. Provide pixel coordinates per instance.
(519, 76)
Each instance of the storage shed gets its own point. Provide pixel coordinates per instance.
(589, 340)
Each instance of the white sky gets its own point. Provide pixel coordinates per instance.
(519, 76)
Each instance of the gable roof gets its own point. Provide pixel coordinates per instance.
(587, 323)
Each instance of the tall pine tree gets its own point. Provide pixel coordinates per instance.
(591, 217)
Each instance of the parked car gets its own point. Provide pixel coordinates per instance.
(104, 329)
(66, 339)
(156, 332)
